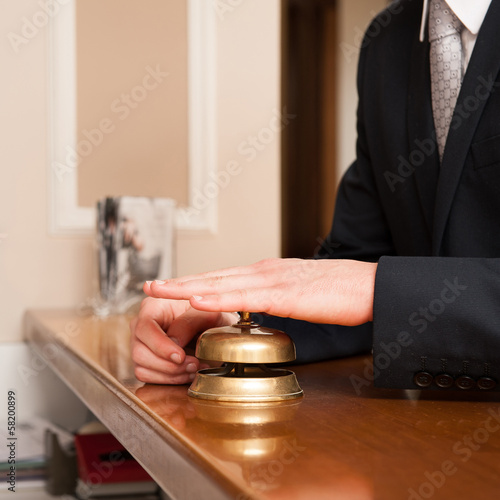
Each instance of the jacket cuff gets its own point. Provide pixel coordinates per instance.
(433, 324)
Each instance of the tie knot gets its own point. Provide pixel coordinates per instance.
(442, 21)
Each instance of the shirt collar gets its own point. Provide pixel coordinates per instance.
(471, 14)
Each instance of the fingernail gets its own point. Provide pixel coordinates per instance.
(176, 358)
(203, 366)
(160, 282)
(191, 368)
(173, 339)
(191, 376)
(197, 298)
(149, 283)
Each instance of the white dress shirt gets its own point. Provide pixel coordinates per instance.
(471, 13)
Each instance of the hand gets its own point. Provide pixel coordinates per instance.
(321, 291)
(159, 334)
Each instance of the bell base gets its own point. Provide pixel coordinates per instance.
(254, 387)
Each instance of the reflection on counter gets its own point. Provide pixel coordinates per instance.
(258, 443)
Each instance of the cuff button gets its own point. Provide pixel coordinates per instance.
(486, 383)
(464, 382)
(423, 379)
(444, 381)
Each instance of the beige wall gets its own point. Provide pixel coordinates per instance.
(40, 270)
(36, 270)
(132, 99)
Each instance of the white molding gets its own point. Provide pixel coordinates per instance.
(65, 216)
(202, 92)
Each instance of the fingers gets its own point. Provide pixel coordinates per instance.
(260, 274)
(153, 369)
(149, 332)
(257, 287)
(264, 300)
(158, 358)
(208, 286)
(159, 334)
(229, 271)
(143, 355)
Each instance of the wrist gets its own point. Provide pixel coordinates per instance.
(369, 290)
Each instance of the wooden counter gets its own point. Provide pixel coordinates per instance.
(333, 444)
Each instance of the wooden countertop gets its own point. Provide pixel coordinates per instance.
(335, 443)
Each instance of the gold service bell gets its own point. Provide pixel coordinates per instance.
(245, 349)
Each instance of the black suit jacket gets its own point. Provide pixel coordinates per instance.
(434, 229)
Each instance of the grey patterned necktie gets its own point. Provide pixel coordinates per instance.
(446, 66)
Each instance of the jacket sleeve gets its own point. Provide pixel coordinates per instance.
(437, 323)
